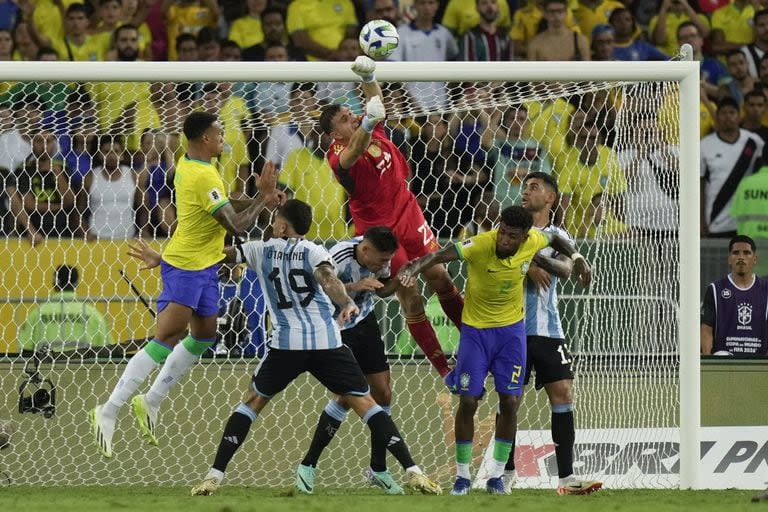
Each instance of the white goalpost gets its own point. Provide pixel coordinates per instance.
(634, 333)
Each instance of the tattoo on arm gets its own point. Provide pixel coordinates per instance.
(331, 285)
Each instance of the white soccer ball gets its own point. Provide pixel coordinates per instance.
(378, 39)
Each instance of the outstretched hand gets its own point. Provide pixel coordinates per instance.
(346, 313)
(407, 276)
(364, 67)
(139, 249)
(266, 183)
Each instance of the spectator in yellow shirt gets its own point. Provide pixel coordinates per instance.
(462, 15)
(317, 27)
(663, 27)
(76, 44)
(188, 17)
(732, 26)
(246, 30)
(109, 13)
(590, 13)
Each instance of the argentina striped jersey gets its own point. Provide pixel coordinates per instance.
(301, 312)
(350, 271)
(541, 315)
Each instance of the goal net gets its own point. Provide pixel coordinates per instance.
(88, 165)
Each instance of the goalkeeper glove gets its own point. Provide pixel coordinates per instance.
(364, 67)
(374, 113)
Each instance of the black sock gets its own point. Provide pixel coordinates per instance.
(385, 434)
(564, 435)
(326, 429)
(235, 433)
(378, 455)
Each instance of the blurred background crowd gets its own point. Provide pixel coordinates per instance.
(96, 160)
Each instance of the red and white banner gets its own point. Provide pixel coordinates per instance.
(731, 457)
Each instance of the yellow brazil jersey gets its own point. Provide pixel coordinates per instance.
(311, 179)
(584, 182)
(525, 23)
(92, 49)
(198, 241)
(588, 17)
(48, 19)
(246, 31)
(462, 15)
(674, 20)
(186, 20)
(735, 23)
(111, 98)
(549, 123)
(325, 21)
(493, 294)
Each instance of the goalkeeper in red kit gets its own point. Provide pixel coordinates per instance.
(374, 172)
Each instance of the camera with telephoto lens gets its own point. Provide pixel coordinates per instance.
(37, 394)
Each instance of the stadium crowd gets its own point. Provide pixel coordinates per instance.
(96, 160)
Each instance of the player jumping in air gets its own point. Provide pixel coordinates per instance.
(493, 333)
(187, 306)
(301, 291)
(374, 171)
(363, 265)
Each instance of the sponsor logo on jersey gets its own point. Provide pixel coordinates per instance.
(374, 150)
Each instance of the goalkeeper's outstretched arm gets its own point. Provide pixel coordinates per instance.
(365, 67)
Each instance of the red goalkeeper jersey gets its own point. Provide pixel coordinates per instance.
(379, 193)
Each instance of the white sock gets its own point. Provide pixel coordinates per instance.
(497, 470)
(215, 473)
(414, 469)
(176, 366)
(462, 470)
(136, 372)
(566, 480)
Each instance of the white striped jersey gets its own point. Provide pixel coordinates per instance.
(350, 271)
(541, 315)
(301, 312)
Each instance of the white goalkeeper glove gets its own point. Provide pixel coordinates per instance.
(374, 113)
(364, 67)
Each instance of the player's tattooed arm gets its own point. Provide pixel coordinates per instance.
(560, 266)
(581, 266)
(238, 222)
(334, 288)
(407, 274)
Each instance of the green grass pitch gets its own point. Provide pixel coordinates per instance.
(243, 499)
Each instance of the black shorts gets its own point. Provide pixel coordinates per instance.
(336, 369)
(550, 358)
(364, 340)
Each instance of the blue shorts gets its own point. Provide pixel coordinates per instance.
(197, 289)
(498, 350)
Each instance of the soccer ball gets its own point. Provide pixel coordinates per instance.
(378, 39)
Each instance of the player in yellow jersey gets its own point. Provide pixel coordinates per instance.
(493, 328)
(187, 306)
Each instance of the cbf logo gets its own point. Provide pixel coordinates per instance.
(464, 381)
(744, 315)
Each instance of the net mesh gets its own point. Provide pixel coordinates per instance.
(88, 166)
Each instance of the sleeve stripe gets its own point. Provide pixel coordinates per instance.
(218, 206)
(458, 250)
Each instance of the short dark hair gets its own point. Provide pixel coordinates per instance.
(207, 35)
(197, 123)
(759, 14)
(734, 52)
(46, 50)
(382, 238)
(119, 29)
(298, 86)
(683, 25)
(273, 9)
(742, 239)
(66, 278)
(77, 8)
(754, 93)
(298, 214)
(517, 217)
(727, 102)
(327, 113)
(183, 38)
(228, 43)
(546, 178)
